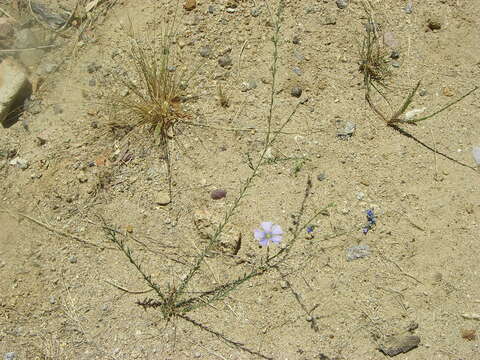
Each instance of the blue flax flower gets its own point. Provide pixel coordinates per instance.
(371, 221)
(310, 229)
(267, 233)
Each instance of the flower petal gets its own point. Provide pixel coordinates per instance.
(264, 242)
(267, 226)
(259, 234)
(277, 230)
(276, 239)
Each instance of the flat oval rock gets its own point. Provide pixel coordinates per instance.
(399, 344)
(218, 194)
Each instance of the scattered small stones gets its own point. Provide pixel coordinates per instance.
(190, 5)
(296, 92)
(225, 61)
(358, 252)
(19, 163)
(347, 130)
(434, 23)
(399, 344)
(218, 194)
(72, 259)
(342, 4)
(162, 198)
(205, 51)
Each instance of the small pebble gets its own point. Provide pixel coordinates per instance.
(225, 61)
(395, 55)
(50, 68)
(162, 198)
(358, 252)
(284, 284)
(409, 7)
(360, 195)
(296, 92)
(422, 92)
(211, 9)
(347, 130)
(82, 178)
(19, 163)
(476, 154)
(322, 176)
(434, 24)
(446, 91)
(72, 259)
(190, 5)
(205, 51)
(92, 67)
(10, 356)
(218, 194)
(342, 4)
(296, 39)
(297, 70)
(52, 300)
(395, 64)
(57, 109)
(255, 12)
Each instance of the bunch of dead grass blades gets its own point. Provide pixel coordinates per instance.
(375, 67)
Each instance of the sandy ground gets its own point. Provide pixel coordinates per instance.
(58, 298)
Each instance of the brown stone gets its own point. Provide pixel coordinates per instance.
(190, 5)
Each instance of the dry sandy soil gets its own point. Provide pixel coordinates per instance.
(58, 298)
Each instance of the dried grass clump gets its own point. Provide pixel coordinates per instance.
(154, 86)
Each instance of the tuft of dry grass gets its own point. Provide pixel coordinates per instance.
(154, 87)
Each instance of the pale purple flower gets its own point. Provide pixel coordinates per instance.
(267, 233)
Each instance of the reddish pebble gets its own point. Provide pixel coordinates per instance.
(218, 194)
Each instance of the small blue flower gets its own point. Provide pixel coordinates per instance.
(268, 233)
(372, 220)
(310, 229)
